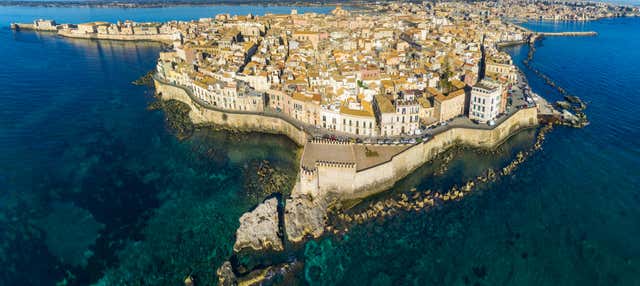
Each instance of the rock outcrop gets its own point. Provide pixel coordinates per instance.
(305, 215)
(226, 277)
(259, 229)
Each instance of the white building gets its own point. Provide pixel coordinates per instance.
(484, 104)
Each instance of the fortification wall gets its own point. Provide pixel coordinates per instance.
(22, 26)
(154, 38)
(336, 177)
(235, 121)
(384, 176)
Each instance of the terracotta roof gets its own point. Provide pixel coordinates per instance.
(366, 110)
(425, 103)
(384, 104)
(458, 84)
(450, 95)
(434, 92)
(306, 97)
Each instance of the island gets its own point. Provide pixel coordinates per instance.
(369, 96)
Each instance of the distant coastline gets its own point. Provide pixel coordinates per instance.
(174, 3)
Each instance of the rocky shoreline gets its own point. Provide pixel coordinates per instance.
(177, 114)
(306, 217)
(427, 199)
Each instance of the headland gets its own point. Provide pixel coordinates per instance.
(370, 97)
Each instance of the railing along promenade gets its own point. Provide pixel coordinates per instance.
(315, 131)
(305, 127)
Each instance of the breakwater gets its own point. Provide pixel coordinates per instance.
(568, 34)
(573, 102)
(422, 200)
(22, 26)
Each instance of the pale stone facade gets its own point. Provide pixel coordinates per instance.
(485, 101)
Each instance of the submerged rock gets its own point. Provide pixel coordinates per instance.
(70, 232)
(177, 114)
(146, 79)
(226, 277)
(259, 229)
(305, 215)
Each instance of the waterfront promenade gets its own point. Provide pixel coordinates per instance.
(314, 132)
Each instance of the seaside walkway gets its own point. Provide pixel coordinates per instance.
(317, 132)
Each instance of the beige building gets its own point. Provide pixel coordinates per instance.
(449, 106)
(426, 111)
(358, 119)
(386, 115)
(507, 71)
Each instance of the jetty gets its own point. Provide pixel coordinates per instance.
(568, 34)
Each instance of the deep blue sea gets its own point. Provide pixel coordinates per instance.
(94, 188)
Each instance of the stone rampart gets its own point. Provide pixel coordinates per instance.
(383, 176)
(166, 38)
(229, 119)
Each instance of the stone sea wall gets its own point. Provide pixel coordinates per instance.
(344, 181)
(382, 177)
(155, 38)
(230, 120)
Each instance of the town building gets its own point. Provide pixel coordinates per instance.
(485, 101)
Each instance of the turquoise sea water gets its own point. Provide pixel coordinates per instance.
(95, 188)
